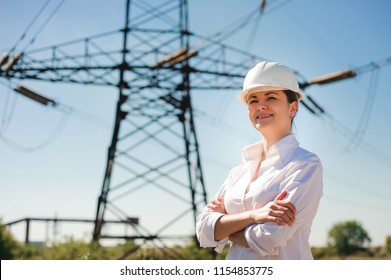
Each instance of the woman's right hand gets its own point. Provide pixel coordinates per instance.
(277, 211)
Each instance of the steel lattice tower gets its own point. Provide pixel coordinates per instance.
(158, 109)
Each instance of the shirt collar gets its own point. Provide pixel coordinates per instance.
(283, 149)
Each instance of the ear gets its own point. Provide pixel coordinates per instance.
(293, 107)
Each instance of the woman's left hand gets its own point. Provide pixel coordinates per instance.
(217, 205)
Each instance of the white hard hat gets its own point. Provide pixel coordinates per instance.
(268, 75)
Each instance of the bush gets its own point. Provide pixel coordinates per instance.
(388, 244)
(81, 250)
(321, 253)
(9, 247)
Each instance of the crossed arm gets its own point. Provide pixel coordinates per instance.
(232, 226)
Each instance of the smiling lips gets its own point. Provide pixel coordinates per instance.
(264, 116)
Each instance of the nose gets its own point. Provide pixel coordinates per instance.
(261, 105)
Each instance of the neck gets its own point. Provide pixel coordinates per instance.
(270, 140)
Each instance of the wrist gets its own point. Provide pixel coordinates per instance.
(253, 217)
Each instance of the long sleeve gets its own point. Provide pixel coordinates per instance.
(304, 187)
(206, 221)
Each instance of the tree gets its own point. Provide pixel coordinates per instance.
(347, 238)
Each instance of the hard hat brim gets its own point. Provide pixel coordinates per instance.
(242, 96)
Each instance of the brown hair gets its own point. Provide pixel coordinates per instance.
(292, 97)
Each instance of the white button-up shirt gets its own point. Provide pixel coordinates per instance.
(286, 166)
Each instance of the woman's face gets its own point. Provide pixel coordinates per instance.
(271, 110)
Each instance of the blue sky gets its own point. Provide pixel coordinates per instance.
(52, 163)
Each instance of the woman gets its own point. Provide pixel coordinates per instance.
(266, 205)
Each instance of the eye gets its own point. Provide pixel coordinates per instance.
(271, 98)
(252, 101)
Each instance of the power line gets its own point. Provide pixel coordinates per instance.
(252, 36)
(311, 35)
(365, 115)
(29, 26)
(64, 109)
(51, 138)
(348, 202)
(278, 5)
(6, 120)
(356, 137)
(84, 116)
(372, 66)
(359, 187)
(230, 129)
(234, 27)
(237, 25)
(42, 26)
(346, 132)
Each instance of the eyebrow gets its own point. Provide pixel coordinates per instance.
(271, 92)
(266, 94)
